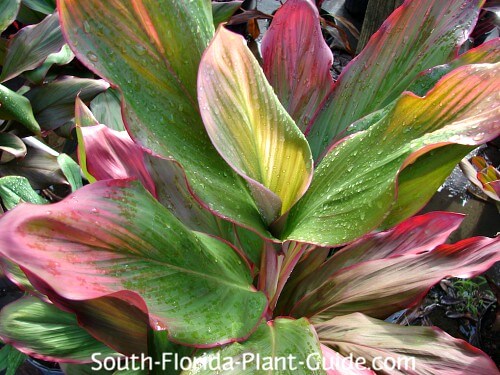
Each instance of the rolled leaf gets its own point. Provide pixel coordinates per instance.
(352, 189)
(31, 46)
(250, 128)
(45, 332)
(156, 73)
(112, 236)
(64, 56)
(8, 13)
(405, 350)
(17, 107)
(272, 341)
(417, 36)
(297, 60)
(381, 287)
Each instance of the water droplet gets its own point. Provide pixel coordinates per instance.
(92, 56)
(140, 49)
(86, 27)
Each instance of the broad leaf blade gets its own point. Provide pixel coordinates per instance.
(8, 13)
(113, 236)
(427, 349)
(54, 103)
(354, 186)
(274, 340)
(249, 127)
(17, 189)
(156, 73)
(297, 60)
(71, 171)
(31, 46)
(413, 236)
(417, 36)
(381, 287)
(45, 332)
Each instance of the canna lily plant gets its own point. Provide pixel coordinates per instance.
(208, 227)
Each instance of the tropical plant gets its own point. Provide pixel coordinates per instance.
(253, 211)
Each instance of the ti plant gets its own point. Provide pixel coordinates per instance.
(208, 227)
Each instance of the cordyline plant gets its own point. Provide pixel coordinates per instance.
(207, 227)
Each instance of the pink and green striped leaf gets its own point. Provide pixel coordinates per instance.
(297, 60)
(355, 184)
(422, 350)
(415, 235)
(380, 287)
(45, 332)
(337, 364)
(250, 128)
(112, 236)
(273, 342)
(152, 52)
(417, 36)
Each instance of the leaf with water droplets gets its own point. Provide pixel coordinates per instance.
(15, 190)
(151, 52)
(417, 36)
(250, 128)
(273, 341)
(340, 206)
(132, 243)
(16, 107)
(297, 60)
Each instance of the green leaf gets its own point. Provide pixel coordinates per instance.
(8, 12)
(11, 359)
(250, 128)
(71, 171)
(107, 109)
(15, 106)
(223, 11)
(54, 103)
(273, 342)
(424, 350)
(153, 55)
(45, 332)
(31, 46)
(64, 56)
(113, 236)
(354, 186)
(42, 6)
(13, 145)
(15, 190)
(417, 36)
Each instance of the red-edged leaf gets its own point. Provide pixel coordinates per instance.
(250, 128)
(297, 60)
(355, 184)
(413, 236)
(112, 236)
(417, 36)
(383, 286)
(417, 350)
(151, 52)
(337, 364)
